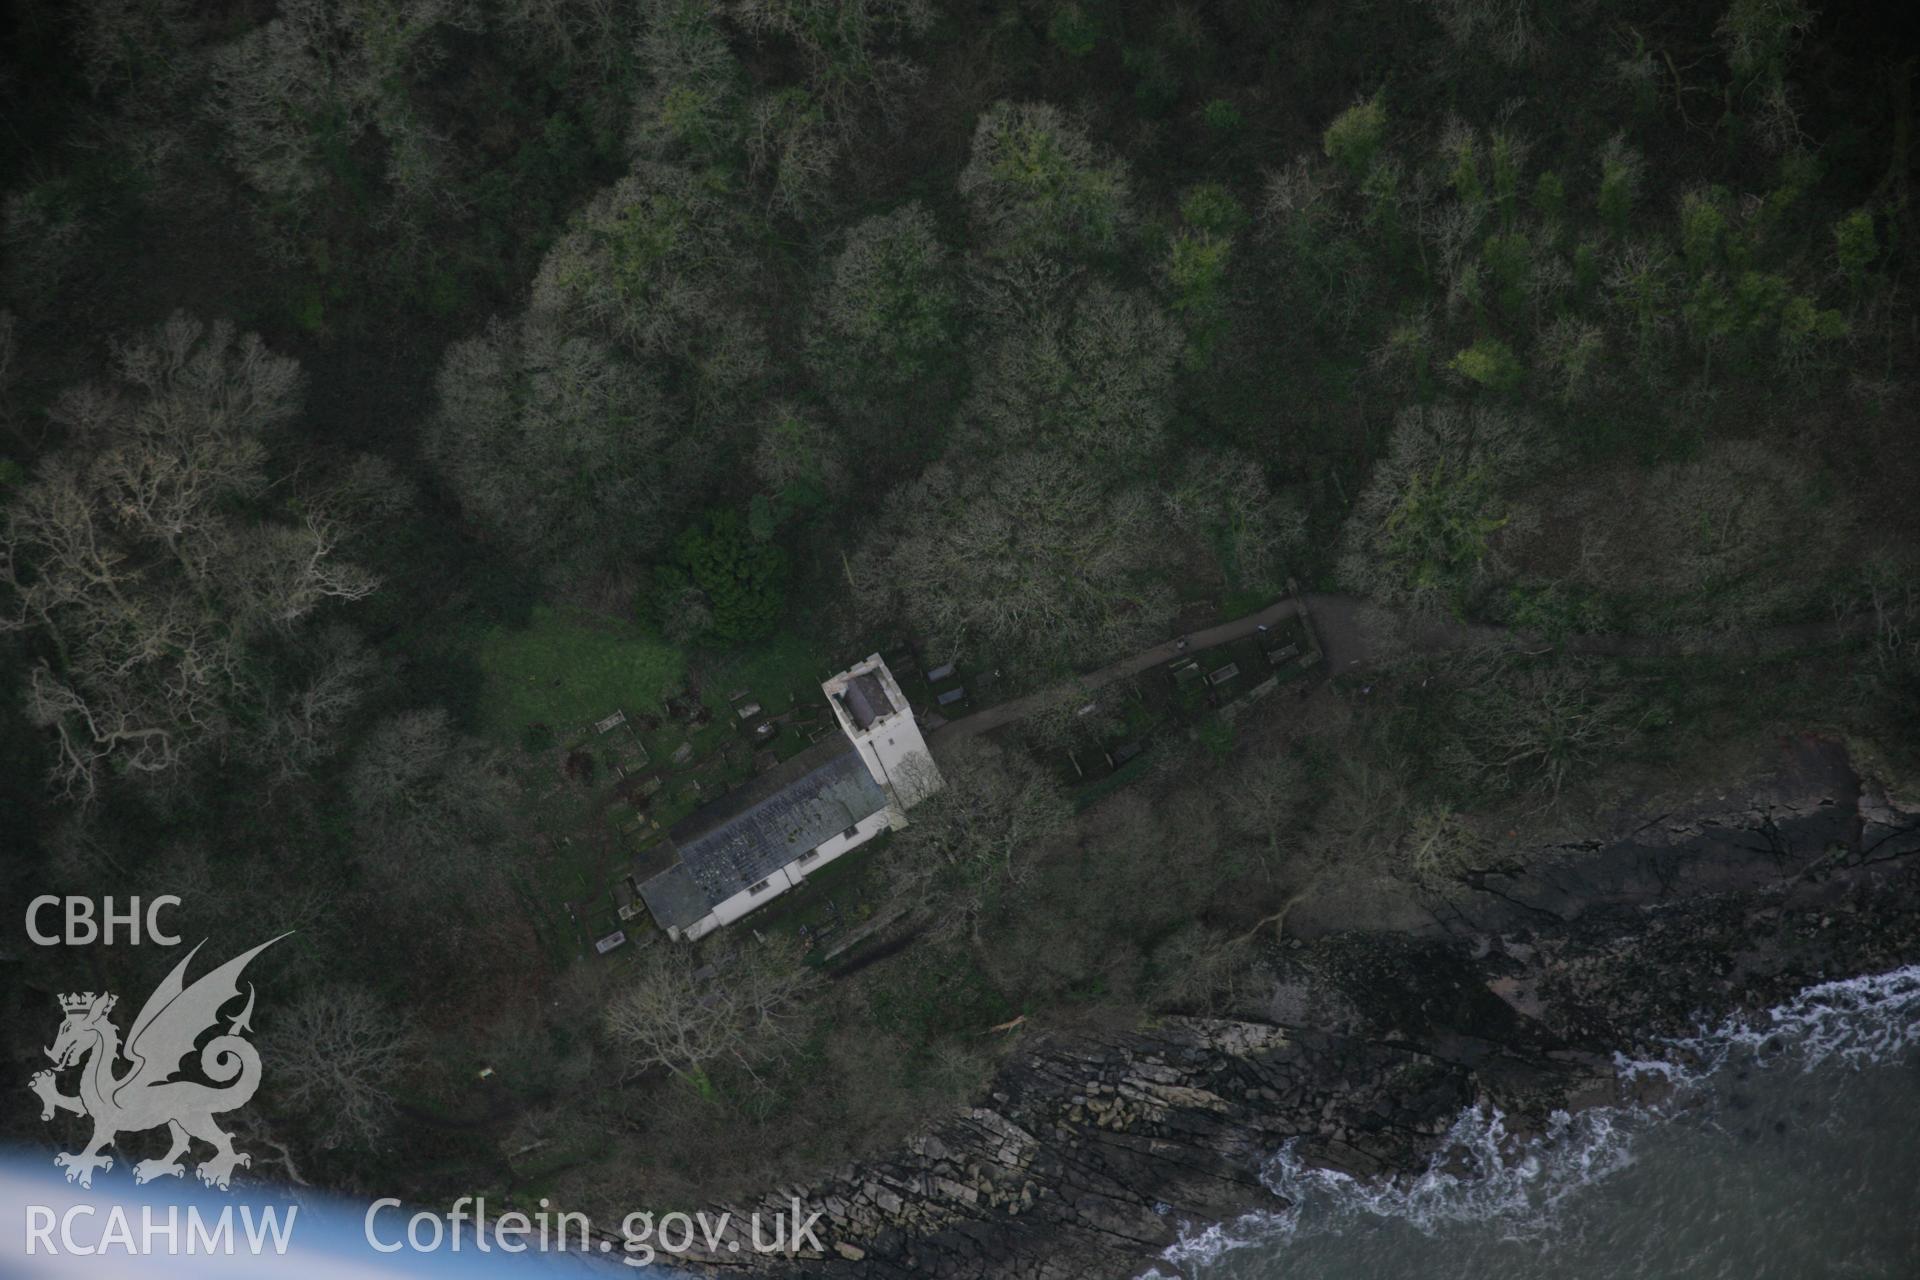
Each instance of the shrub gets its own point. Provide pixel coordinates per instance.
(1074, 30)
(1355, 135)
(1703, 229)
(1856, 246)
(1550, 197)
(1620, 172)
(741, 579)
(1221, 116)
(1211, 208)
(1508, 154)
(1509, 261)
(1759, 34)
(1489, 363)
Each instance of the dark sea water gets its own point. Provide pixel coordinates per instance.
(1788, 1148)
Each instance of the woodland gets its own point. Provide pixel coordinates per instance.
(376, 376)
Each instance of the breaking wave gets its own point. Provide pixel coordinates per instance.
(1854, 1021)
(1516, 1184)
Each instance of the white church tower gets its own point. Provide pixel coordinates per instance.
(874, 714)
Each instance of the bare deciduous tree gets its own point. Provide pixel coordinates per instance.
(1442, 841)
(1026, 554)
(147, 554)
(1421, 532)
(1035, 181)
(1367, 806)
(1198, 967)
(593, 34)
(690, 105)
(1531, 727)
(299, 730)
(323, 79)
(1267, 800)
(886, 315)
(338, 1055)
(847, 44)
(796, 452)
(643, 261)
(556, 443)
(429, 804)
(668, 1015)
(654, 263)
(792, 150)
(1498, 29)
(977, 834)
(1744, 535)
(1221, 497)
(1095, 381)
(9, 370)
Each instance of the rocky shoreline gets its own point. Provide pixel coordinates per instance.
(1396, 1007)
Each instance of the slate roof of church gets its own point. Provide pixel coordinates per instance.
(749, 833)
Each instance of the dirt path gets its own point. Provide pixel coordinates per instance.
(992, 718)
(1350, 633)
(1352, 636)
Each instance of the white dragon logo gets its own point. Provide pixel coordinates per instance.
(147, 1095)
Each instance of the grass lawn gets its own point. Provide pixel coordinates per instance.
(775, 673)
(566, 668)
(783, 675)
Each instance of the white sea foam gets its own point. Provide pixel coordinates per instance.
(1857, 1021)
(1482, 1172)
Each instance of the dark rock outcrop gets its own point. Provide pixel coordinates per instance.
(1392, 1012)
